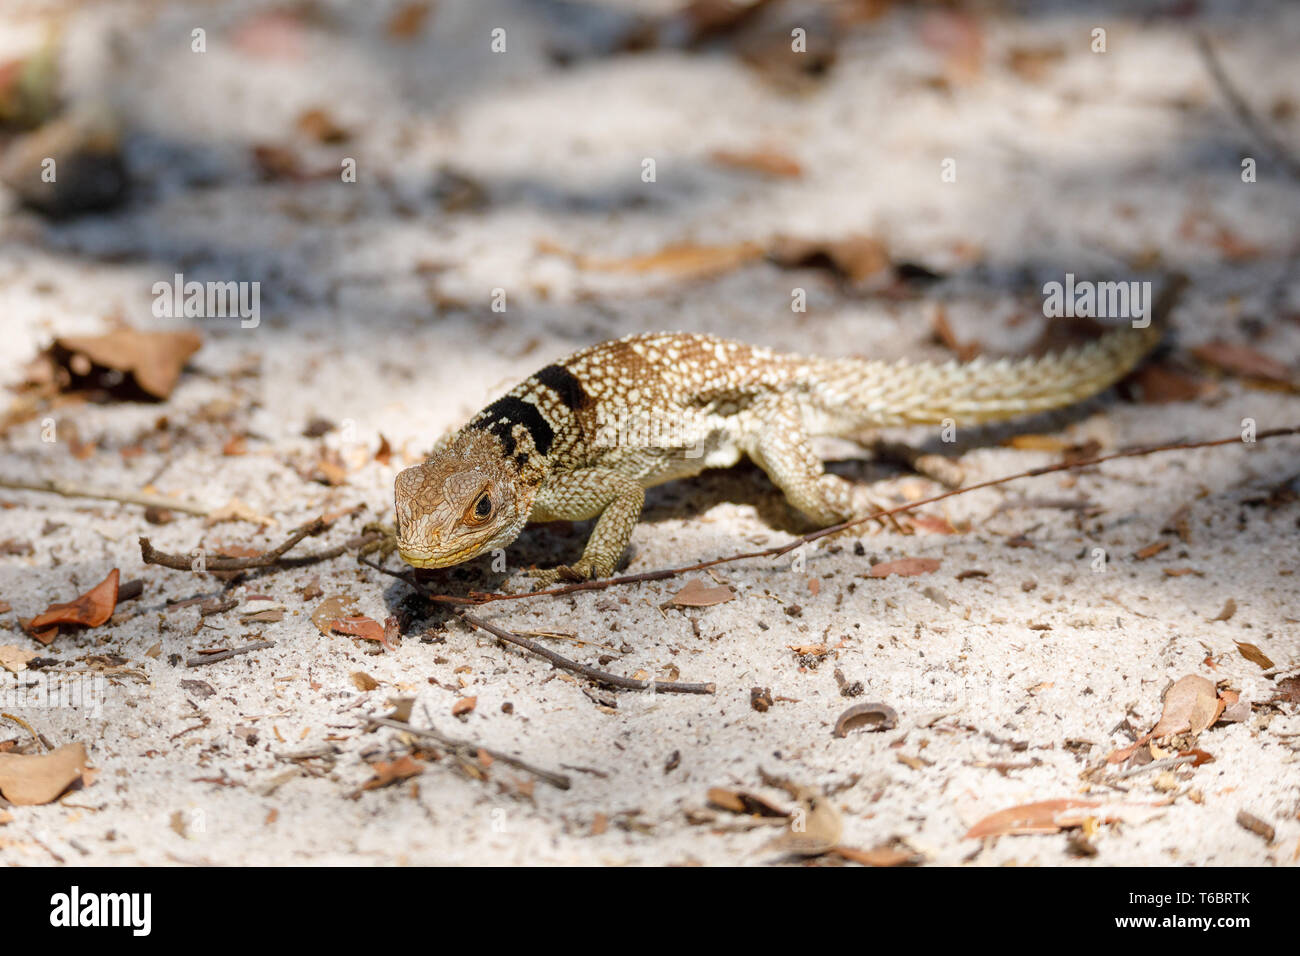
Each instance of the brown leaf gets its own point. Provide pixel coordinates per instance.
(743, 801)
(1190, 706)
(317, 124)
(1033, 63)
(1254, 655)
(874, 717)
(387, 772)
(856, 258)
(698, 594)
(683, 259)
(767, 160)
(1288, 691)
(887, 854)
(408, 20)
(1255, 825)
(366, 628)
(813, 828)
(363, 681)
(330, 610)
(1229, 609)
(1242, 361)
(14, 659)
(905, 567)
(1052, 816)
(153, 359)
(89, 610)
(464, 706)
(1151, 550)
(29, 780)
(384, 453)
(1162, 383)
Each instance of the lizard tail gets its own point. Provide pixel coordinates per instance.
(877, 394)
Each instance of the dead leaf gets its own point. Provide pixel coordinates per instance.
(387, 772)
(89, 610)
(317, 124)
(767, 160)
(29, 780)
(875, 717)
(1037, 443)
(330, 610)
(682, 259)
(1229, 609)
(698, 594)
(363, 681)
(856, 258)
(1254, 655)
(153, 359)
(1190, 706)
(1032, 64)
(744, 801)
(1052, 816)
(813, 828)
(14, 659)
(366, 628)
(464, 706)
(905, 567)
(1242, 361)
(1287, 692)
(1151, 550)
(408, 20)
(887, 854)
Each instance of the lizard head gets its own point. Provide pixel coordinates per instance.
(466, 499)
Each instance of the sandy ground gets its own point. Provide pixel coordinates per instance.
(377, 315)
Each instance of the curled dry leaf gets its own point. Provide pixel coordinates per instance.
(1052, 816)
(464, 706)
(744, 801)
(872, 716)
(1229, 609)
(698, 594)
(905, 567)
(1191, 705)
(363, 681)
(1254, 655)
(29, 780)
(813, 828)
(894, 853)
(387, 772)
(153, 359)
(856, 258)
(89, 610)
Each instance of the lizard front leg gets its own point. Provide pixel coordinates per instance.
(581, 494)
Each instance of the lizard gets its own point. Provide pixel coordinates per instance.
(585, 437)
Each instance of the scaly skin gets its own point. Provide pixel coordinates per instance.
(586, 436)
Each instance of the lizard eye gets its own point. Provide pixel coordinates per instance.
(481, 511)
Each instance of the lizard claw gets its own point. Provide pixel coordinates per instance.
(546, 577)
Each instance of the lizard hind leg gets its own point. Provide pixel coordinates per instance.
(785, 454)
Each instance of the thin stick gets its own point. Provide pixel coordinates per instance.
(226, 655)
(1243, 110)
(69, 490)
(467, 749)
(591, 673)
(183, 562)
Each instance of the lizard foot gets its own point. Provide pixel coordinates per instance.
(546, 577)
(385, 543)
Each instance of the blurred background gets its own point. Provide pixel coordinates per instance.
(434, 196)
